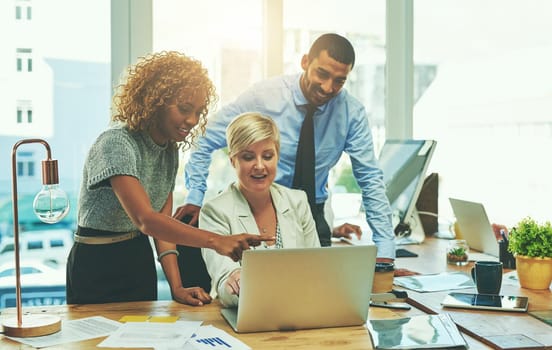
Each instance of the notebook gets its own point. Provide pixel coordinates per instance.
(288, 289)
(474, 225)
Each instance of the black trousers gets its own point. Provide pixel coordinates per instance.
(107, 273)
(193, 272)
(322, 227)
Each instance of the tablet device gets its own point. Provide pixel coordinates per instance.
(486, 302)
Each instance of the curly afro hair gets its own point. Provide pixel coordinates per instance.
(159, 80)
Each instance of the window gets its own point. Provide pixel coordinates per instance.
(30, 169)
(365, 28)
(487, 102)
(20, 168)
(73, 74)
(24, 107)
(24, 56)
(230, 50)
(35, 245)
(56, 243)
(25, 168)
(23, 7)
(7, 272)
(9, 247)
(25, 164)
(25, 270)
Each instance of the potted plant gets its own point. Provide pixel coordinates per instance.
(531, 243)
(457, 252)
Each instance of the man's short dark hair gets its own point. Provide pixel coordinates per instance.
(338, 47)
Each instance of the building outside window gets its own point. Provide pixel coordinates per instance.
(66, 101)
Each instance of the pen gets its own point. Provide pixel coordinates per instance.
(401, 306)
(503, 235)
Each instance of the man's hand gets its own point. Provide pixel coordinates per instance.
(497, 228)
(194, 296)
(405, 272)
(345, 231)
(233, 246)
(232, 284)
(187, 209)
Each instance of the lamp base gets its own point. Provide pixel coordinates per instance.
(32, 326)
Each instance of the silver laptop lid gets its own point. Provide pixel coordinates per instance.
(284, 289)
(474, 225)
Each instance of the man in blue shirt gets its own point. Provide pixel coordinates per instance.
(340, 125)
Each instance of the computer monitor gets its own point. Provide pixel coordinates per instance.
(404, 164)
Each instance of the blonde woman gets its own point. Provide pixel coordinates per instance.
(254, 203)
(126, 190)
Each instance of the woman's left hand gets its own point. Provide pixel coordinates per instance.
(233, 282)
(194, 296)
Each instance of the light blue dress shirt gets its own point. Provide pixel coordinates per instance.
(340, 125)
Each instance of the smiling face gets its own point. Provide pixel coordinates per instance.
(323, 78)
(178, 119)
(256, 166)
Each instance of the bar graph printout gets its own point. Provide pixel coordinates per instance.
(209, 338)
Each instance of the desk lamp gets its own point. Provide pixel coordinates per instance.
(50, 205)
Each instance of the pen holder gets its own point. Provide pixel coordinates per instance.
(383, 277)
(506, 258)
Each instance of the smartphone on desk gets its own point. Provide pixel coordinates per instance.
(486, 302)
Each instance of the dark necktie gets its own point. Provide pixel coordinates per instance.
(305, 159)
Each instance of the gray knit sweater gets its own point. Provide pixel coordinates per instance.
(120, 152)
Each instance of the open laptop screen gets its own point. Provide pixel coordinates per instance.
(285, 289)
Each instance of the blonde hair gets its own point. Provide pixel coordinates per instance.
(159, 80)
(249, 128)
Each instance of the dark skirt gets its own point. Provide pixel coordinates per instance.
(107, 273)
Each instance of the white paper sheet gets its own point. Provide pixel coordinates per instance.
(151, 335)
(73, 331)
(434, 283)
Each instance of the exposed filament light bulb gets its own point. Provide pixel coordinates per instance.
(51, 204)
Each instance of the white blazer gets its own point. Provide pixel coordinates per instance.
(229, 213)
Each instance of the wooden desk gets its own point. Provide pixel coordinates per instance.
(327, 338)
(486, 326)
(479, 324)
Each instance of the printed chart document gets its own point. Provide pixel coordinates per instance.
(417, 332)
(151, 335)
(435, 283)
(73, 331)
(210, 338)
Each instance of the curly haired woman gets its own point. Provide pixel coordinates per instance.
(126, 190)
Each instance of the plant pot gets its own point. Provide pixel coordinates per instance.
(534, 273)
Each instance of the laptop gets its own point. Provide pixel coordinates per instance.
(474, 225)
(289, 289)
